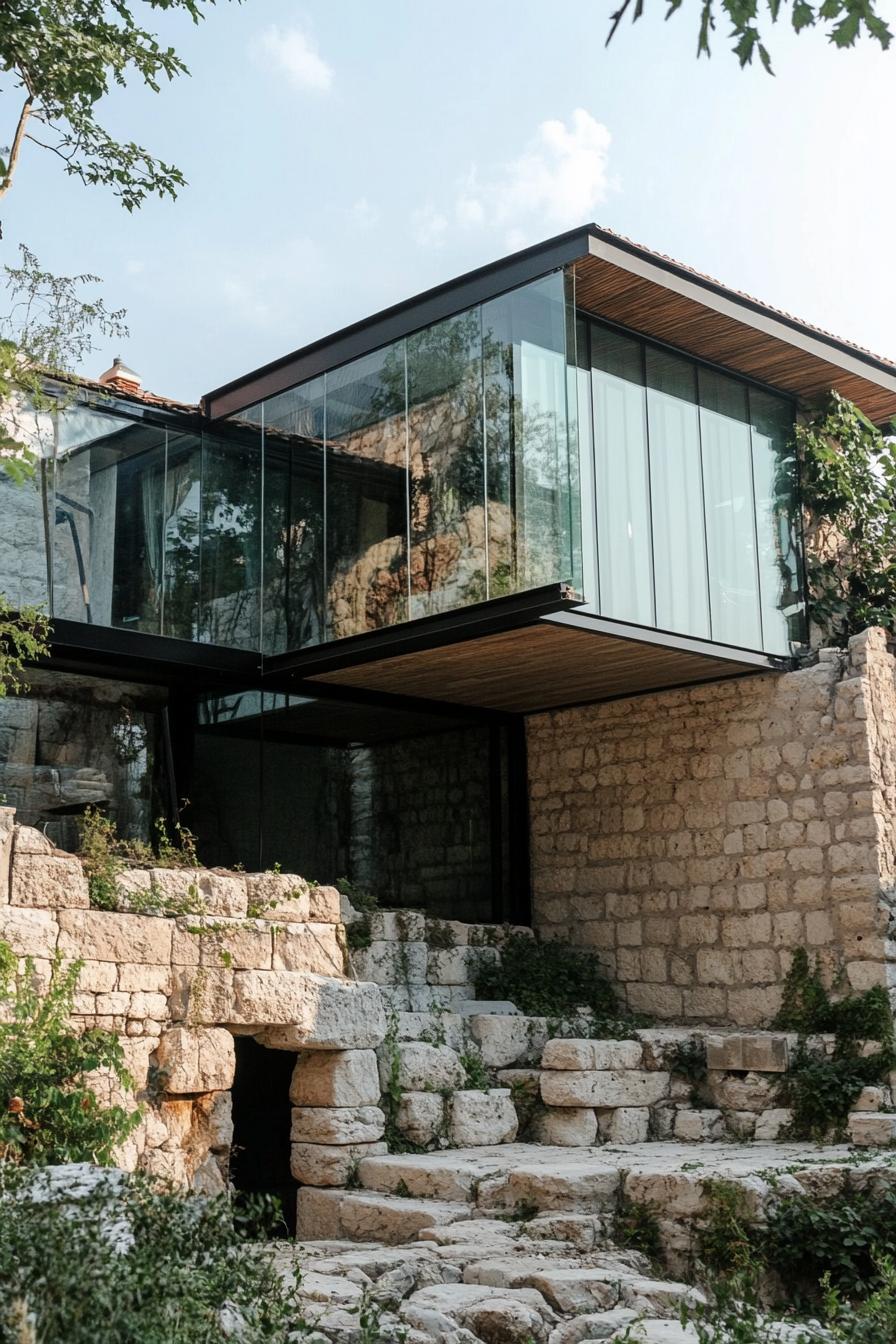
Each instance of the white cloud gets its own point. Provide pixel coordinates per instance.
(267, 286)
(294, 54)
(561, 176)
(429, 226)
(364, 214)
(557, 182)
(135, 267)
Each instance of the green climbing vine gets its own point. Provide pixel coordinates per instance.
(848, 486)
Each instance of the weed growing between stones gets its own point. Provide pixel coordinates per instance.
(821, 1090)
(477, 1077)
(358, 932)
(687, 1060)
(636, 1228)
(48, 1113)
(105, 856)
(395, 1140)
(440, 936)
(435, 1035)
(726, 1240)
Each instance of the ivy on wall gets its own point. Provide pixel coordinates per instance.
(848, 471)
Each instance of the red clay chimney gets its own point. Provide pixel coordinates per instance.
(121, 379)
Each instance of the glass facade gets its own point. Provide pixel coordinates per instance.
(694, 512)
(435, 472)
(507, 447)
(137, 526)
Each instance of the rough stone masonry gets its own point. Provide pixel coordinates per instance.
(695, 837)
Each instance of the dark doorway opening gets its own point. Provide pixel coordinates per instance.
(262, 1118)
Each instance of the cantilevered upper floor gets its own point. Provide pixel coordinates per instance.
(563, 476)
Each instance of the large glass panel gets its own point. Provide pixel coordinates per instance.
(676, 492)
(777, 522)
(622, 483)
(447, 471)
(26, 510)
(294, 431)
(528, 473)
(107, 554)
(730, 512)
(226, 748)
(590, 582)
(230, 570)
(181, 536)
(367, 494)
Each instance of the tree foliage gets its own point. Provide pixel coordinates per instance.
(848, 477)
(47, 326)
(63, 56)
(843, 21)
(24, 638)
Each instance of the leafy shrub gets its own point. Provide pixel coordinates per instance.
(546, 979)
(842, 1237)
(734, 1316)
(47, 1111)
(137, 1263)
(821, 1092)
(806, 1007)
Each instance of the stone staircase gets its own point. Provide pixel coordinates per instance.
(401, 1197)
(520, 1244)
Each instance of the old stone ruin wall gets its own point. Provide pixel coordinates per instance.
(402, 1058)
(695, 837)
(177, 990)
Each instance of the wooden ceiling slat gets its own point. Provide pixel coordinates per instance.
(537, 667)
(634, 301)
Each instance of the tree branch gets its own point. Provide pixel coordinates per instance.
(16, 150)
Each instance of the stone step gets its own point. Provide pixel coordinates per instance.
(513, 1177)
(356, 1215)
(402, 1195)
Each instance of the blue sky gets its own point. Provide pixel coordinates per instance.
(345, 154)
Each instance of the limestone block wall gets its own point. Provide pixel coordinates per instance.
(695, 837)
(178, 989)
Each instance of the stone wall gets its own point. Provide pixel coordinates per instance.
(177, 989)
(695, 837)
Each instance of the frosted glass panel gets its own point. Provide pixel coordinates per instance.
(676, 486)
(621, 478)
(730, 513)
(774, 478)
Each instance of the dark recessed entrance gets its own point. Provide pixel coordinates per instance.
(262, 1117)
